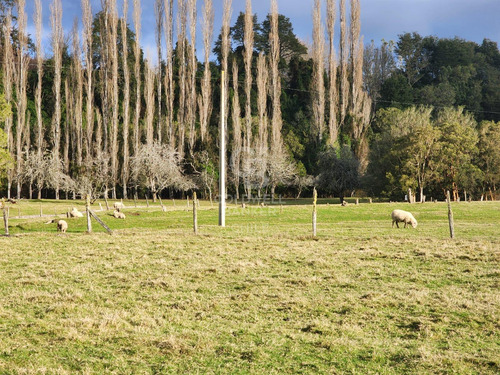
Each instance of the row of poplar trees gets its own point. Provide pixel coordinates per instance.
(117, 123)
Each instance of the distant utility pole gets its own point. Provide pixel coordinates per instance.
(222, 158)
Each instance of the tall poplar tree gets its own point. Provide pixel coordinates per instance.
(57, 47)
(318, 85)
(169, 75)
(87, 57)
(247, 57)
(236, 141)
(332, 73)
(126, 101)
(205, 99)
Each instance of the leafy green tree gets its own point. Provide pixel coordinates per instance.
(458, 146)
(290, 45)
(489, 153)
(414, 52)
(338, 171)
(420, 147)
(396, 92)
(403, 153)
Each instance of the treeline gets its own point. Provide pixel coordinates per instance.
(436, 116)
(97, 117)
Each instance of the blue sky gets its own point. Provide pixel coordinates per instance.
(380, 19)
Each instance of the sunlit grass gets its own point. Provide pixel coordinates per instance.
(259, 296)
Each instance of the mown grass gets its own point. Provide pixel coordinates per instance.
(259, 296)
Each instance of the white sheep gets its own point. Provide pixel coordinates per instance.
(119, 215)
(400, 216)
(74, 213)
(164, 208)
(118, 206)
(62, 226)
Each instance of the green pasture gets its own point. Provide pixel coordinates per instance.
(260, 296)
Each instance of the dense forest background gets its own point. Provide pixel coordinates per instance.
(379, 118)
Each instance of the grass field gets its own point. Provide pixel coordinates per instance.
(259, 296)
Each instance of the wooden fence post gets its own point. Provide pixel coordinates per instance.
(450, 216)
(314, 215)
(87, 206)
(195, 214)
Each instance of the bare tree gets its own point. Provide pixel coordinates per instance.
(38, 92)
(191, 76)
(126, 101)
(34, 170)
(137, 73)
(274, 41)
(247, 57)
(261, 144)
(169, 76)
(97, 179)
(281, 169)
(57, 47)
(181, 47)
(8, 70)
(332, 73)
(158, 30)
(344, 56)
(66, 130)
(87, 55)
(262, 89)
(236, 141)
(205, 100)
(77, 93)
(360, 101)
(318, 85)
(226, 42)
(54, 175)
(98, 148)
(158, 166)
(356, 58)
(113, 45)
(150, 101)
(21, 82)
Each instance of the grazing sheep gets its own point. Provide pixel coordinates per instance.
(74, 213)
(344, 203)
(400, 216)
(62, 226)
(119, 215)
(118, 206)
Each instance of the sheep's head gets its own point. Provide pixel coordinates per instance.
(414, 223)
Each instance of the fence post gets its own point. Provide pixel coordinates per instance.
(87, 206)
(195, 214)
(314, 215)
(450, 215)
